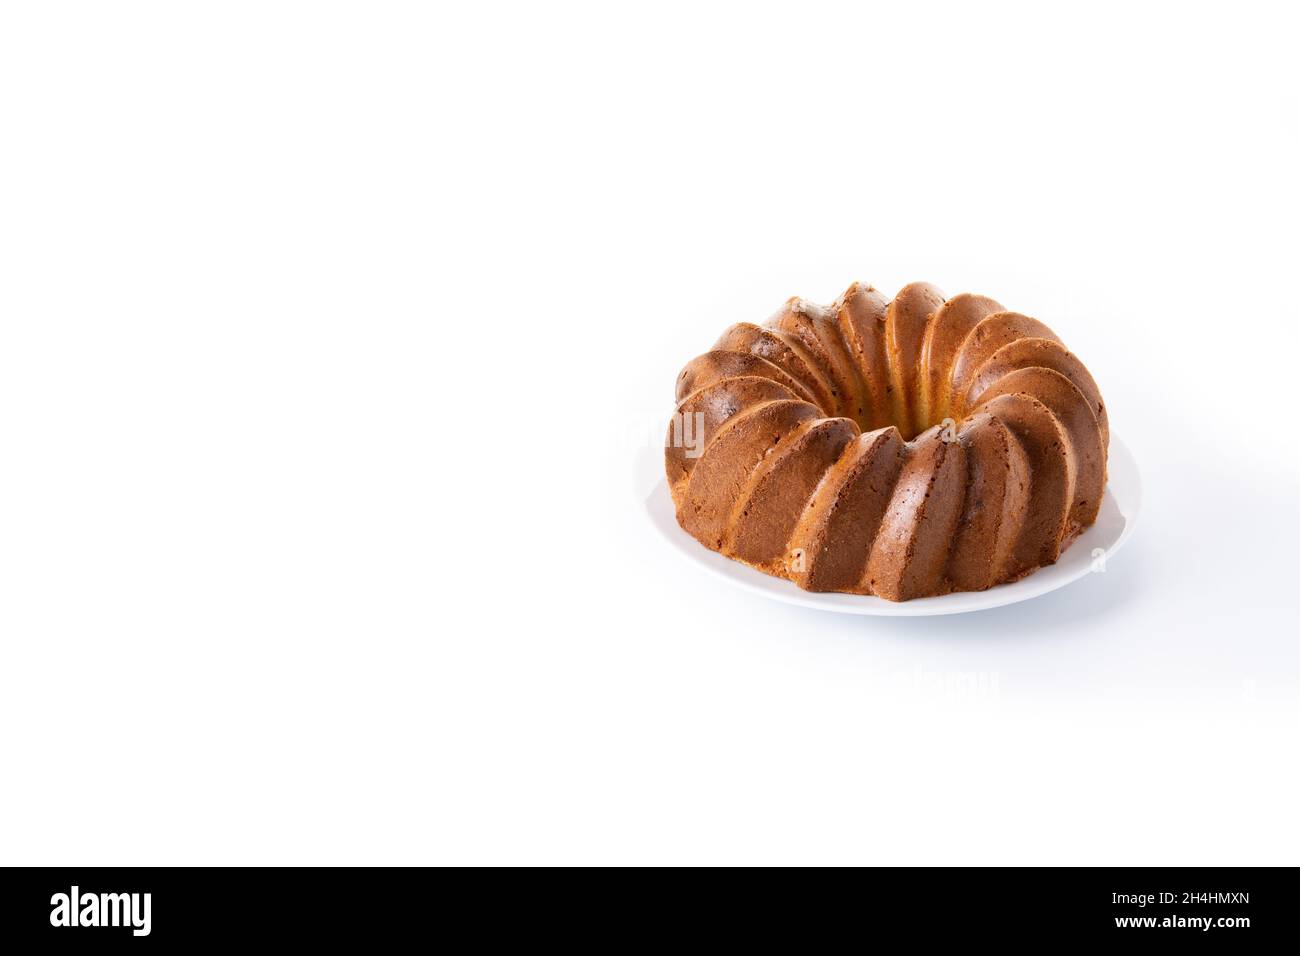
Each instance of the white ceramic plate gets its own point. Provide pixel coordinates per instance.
(1119, 511)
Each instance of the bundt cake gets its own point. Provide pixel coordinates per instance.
(902, 449)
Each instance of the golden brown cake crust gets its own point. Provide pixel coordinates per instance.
(790, 446)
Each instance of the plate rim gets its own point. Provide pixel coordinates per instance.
(1126, 495)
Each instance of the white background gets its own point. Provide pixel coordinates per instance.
(330, 335)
